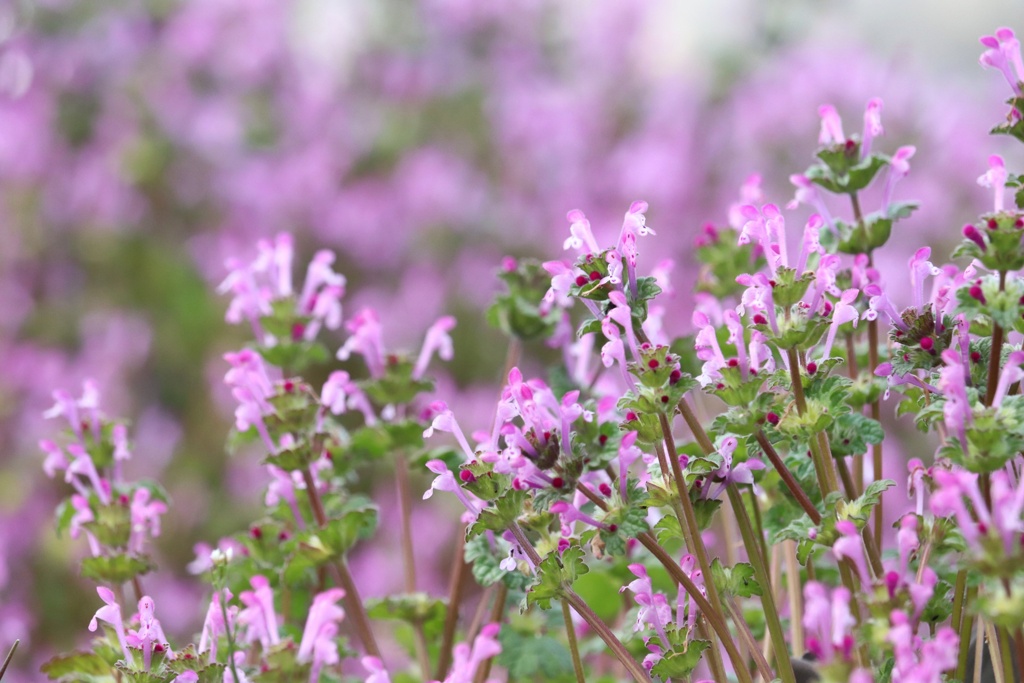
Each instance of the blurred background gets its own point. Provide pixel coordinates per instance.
(142, 142)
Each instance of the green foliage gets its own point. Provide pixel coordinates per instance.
(851, 434)
(554, 574)
(723, 259)
(499, 516)
(516, 312)
(842, 171)
(397, 386)
(315, 547)
(629, 522)
(486, 569)
(414, 608)
(532, 657)
(116, 569)
(79, 665)
(736, 581)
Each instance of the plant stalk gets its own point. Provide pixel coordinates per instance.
(570, 633)
(783, 666)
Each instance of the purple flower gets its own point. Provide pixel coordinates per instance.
(366, 340)
(466, 660)
(213, 625)
(995, 177)
(580, 236)
(437, 340)
(148, 633)
(110, 613)
(378, 674)
(317, 644)
(831, 126)
(899, 167)
(872, 125)
(654, 609)
(828, 622)
(259, 616)
(145, 515)
(1003, 53)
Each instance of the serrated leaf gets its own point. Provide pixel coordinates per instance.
(486, 566)
(678, 664)
(555, 573)
(78, 665)
(116, 569)
(501, 515)
(532, 657)
(738, 580)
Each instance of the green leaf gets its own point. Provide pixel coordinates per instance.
(414, 608)
(501, 515)
(529, 657)
(77, 666)
(738, 580)
(116, 568)
(555, 573)
(678, 664)
(486, 569)
(851, 433)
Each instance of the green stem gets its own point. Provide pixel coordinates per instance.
(7, 660)
(966, 625)
(748, 641)
(771, 613)
(1005, 653)
(456, 589)
(404, 512)
(714, 618)
(582, 609)
(353, 603)
(787, 477)
(227, 632)
(570, 633)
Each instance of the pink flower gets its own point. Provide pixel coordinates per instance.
(828, 621)
(995, 177)
(145, 515)
(317, 644)
(259, 616)
(1003, 53)
(366, 340)
(213, 625)
(378, 674)
(437, 340)
(580, 236)
(148, 633)
(110, 613)
(466, 660)
(831, 126)
(872, 125)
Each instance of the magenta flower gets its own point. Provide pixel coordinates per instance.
(1003, 53)
(466, 660)
(318, 645)
(580, 236)
(872, 125)
(214, 626)
(569, 514)
(849, 546)
(149, 632)
(438, 341)
(953, 378)
(378, 674)
(82, 466)
(366, 340)
(654, 609)
(995, 177)
(828, 622)
(110, 613)
(259, 616)
(831, 126)
(145, 515)
(55, 460)
(899, 167)
(918, 661)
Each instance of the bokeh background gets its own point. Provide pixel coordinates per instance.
(144, 141)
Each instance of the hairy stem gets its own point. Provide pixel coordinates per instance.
(456, 589)
(787, 477)
(600, 628)
(231, 639)
(353, 603)
(570, 634)
(408, 555)
(771, 612)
